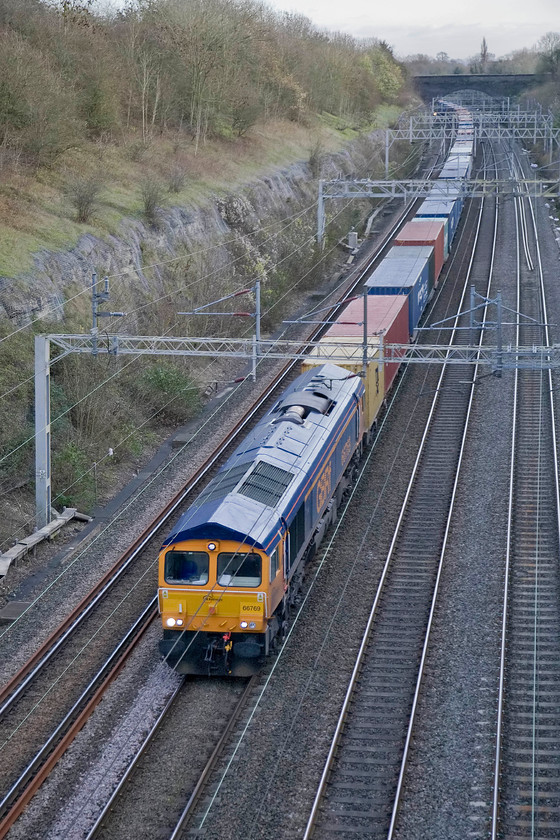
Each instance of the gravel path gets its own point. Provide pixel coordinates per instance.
(101, 752)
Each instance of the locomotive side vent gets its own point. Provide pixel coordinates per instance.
(266, 484)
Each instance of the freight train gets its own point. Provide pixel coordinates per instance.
(233, 564)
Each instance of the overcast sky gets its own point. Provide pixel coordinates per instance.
(430, 26)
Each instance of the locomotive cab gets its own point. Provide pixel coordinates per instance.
(216, 599)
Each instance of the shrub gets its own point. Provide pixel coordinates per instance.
(136, 150)
(245, 113)
(99, 107)
(73, 477)
(177, 179)
(316, 156)
(169, 391)
(83, 194)
(152, 201)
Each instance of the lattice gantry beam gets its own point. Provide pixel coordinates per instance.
(509, 119)
(95, 344)
(496, 131)
(506, 358)
(419, 188)
(422, 188)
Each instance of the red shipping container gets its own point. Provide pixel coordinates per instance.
(387, 315)
(427, 232)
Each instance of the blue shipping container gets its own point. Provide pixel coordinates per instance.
(447, 190)
(423, 252)
(406, 276)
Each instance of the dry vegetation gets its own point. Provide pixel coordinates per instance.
(201, 68)
(103, 118)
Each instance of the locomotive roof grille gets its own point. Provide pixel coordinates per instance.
(223, 484)
(266, 484)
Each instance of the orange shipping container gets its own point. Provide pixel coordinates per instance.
(425, 232)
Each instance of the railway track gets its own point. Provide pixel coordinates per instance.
(526, 798)
(41, 765)
(34, 730)
(527, 813)
(363, 778)
(172, 732)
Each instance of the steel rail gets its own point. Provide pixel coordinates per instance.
(550, 382)
(507, 570)
(21, 793)
(495, 822)
(204, 776)
(134, 763)
(416, 698)
(374, 610)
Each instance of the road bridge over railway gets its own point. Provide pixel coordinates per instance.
(496, 85)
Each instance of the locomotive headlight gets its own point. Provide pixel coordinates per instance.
(179, 622)
(211, 546)
(252, 625)
(171, 622)
(243, 624)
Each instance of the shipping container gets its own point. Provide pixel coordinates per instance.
(449, 191)
(444, 220)
(433, 208)
(387, 316)
(416, 251)
(403, 277)
(459, 156)
(458, 166)
(462, 147)
(446, 190)
(458, 161)
(352, 349)
(423, 232)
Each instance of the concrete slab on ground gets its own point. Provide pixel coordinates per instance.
(12, 611)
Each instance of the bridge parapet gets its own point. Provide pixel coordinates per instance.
(496, 85)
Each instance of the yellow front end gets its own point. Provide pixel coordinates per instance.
(230, 595)
(215, 599)
(212, 610)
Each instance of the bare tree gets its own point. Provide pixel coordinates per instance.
(484, 56)
(549, 49)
